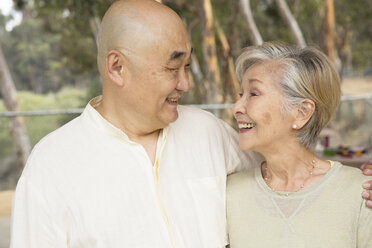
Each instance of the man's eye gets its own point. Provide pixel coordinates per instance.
(172, 69)
(253, 94)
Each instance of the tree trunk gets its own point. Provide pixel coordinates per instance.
(197, 74)
(343, 49)
(211, 68)
(229, 68)
(329, 30)
(94, 23)
(252, 28)
(233, 33)
(197, 83)
(17, 126)
(286, 14)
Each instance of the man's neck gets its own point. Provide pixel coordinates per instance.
(147, 138)
(149, 143)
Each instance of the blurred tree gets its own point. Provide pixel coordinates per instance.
(17, 126)
(329, 30)
(227, 64)
(353, 35)
(286, 14)
(75, 22)
(211, 66)
(33, 56)
(252, 28)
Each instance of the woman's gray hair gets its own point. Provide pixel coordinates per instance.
(306, 73)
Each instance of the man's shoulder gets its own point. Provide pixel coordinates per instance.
(54, 145)
(191, 119)
(61, 135)
(188, 113)
(198, 118)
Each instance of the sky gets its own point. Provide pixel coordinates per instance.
(6, 7)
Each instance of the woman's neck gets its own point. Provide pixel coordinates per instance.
(292, 168)
(289, 163)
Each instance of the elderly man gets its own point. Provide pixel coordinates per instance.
(135, 169)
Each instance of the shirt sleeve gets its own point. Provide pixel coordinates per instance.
(33, 223)
(239, 160)
(365, 227)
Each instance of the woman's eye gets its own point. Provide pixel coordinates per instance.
(240, 94)
(254, 94)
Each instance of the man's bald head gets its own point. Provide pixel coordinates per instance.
(144, 56)
(136, 26)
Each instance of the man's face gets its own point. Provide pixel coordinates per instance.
(157, 79)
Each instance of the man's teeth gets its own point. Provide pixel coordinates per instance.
(172, 99)
(246, 125)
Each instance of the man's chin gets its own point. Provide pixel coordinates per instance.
(171, 116)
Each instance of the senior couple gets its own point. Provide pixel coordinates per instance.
(137, 170)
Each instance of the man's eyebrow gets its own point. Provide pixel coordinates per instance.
(177, 54)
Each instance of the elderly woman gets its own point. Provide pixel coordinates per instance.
(294, 199)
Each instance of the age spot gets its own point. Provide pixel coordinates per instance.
(267, 118)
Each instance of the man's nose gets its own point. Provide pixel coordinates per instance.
(183, 81)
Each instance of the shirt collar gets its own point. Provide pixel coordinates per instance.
(95, 118)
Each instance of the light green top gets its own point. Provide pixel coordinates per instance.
(330, 214)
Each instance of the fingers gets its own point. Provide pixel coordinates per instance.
(368, 185)
(367, 168)
(368, 196)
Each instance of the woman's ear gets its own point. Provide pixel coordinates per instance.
(304, 112)
(115, 67)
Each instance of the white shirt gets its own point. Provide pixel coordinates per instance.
(88, 185)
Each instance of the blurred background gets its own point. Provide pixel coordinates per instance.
(48, 66)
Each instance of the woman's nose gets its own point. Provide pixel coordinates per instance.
(239, 107)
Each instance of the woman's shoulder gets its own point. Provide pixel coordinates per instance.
(351, 174)
(352, 178)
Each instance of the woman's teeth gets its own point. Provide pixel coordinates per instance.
(246, 125)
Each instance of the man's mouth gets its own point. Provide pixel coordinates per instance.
(172, 100)
(244, 127)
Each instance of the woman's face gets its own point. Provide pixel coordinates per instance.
(262, 125)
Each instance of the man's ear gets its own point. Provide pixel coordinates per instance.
(304, 111)
(115, 67)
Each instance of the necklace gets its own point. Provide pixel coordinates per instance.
(267, 179)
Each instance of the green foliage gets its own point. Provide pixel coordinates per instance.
(94, 89)
(71, 20)
(39, 126)
(33, 57)
(355, 16)
(54, 46)
(362, 55)
(309, 18)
